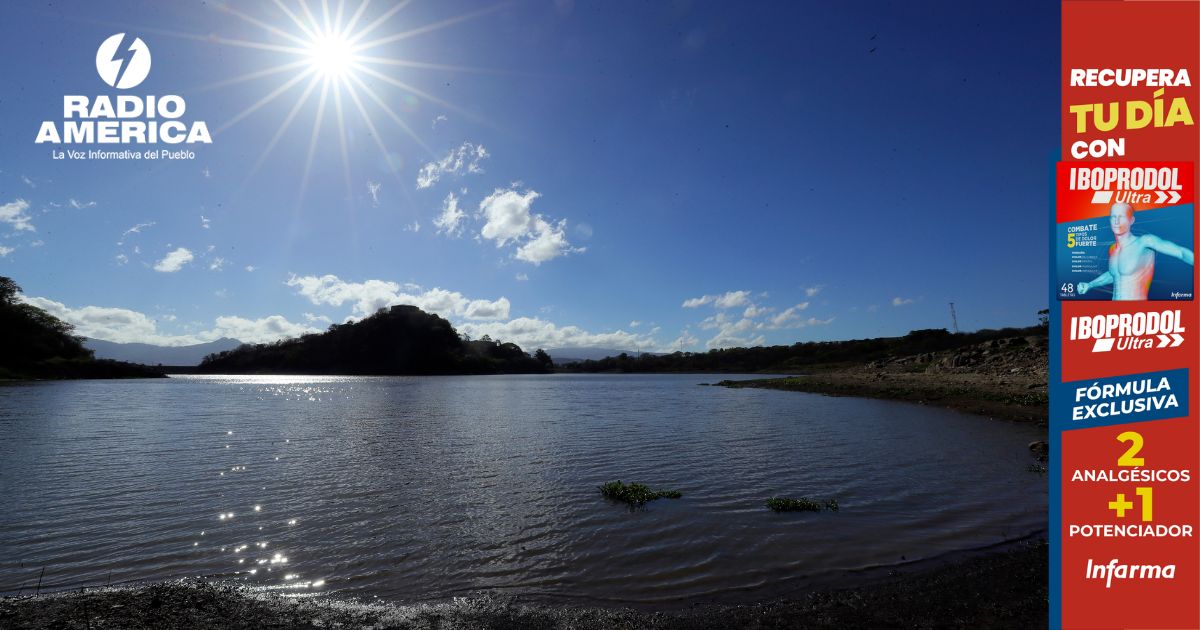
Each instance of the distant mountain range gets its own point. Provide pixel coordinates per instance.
(37, 345)
(148, 354)
(568, 355)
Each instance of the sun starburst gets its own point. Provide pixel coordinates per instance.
(326, 52)
(331, 55)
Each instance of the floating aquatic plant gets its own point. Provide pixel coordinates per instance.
(635, 494)
(784, 504)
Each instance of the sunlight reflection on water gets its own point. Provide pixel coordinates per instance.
(428, 488)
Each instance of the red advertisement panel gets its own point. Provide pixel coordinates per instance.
(1125, 552)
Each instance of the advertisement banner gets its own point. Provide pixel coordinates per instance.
(1123, 423)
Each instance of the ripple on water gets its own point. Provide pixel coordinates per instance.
(424, 488)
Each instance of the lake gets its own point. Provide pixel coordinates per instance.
(426, 488)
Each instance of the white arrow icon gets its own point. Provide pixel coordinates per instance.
(1162, 196)
(1175, 196)
(1163, 340)
(1178, 339)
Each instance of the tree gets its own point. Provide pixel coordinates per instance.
(543, 358)
(1044, 318)
(400, 339)
(8, 291)
(29, 335)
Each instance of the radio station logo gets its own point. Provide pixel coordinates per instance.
(122, 62)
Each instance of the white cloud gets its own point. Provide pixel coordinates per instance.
(314, 319)
(464, 159)
(508, 218)
(754, 310)
(789, 317)
(736, 334)
(372, 295)
(250, 268)
(731, 299)
(373, 190)
(112, 324)
(207, 173)
(262, 330)
(508, 215)
(683, 342)
(13, 213)
(5, 251)
(137, 229)
(80, 205)
(28, 182)
(217, 263)
(634, 324)
(122, 325)
(733, 341)
(483, 309)
(122, 259)
(716, 321)
(872, 308)
(441, 118)
(811, 291)
(204, 222)
(550, 243)
(174, 261)
(746, 331)
(521, 277)
(899, 301)
(532, 332)
(415, 226)
(449, 221)
(367, 297)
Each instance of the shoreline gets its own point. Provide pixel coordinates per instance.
(1005, 586)
(1015, 400)
(1004, 378)
(1002, 589)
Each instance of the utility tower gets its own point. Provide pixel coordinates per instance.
(954, 318)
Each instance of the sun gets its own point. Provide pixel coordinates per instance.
(338, 60)
(331, 55)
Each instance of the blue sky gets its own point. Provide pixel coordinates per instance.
(611, 174)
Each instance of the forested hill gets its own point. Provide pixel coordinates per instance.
(37, 345)
(402, 340)
(802, 356)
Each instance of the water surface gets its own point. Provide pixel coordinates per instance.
(426, 488)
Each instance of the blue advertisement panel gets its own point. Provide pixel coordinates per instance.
(1089, 265)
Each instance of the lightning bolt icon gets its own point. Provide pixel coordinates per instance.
(124, 54)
